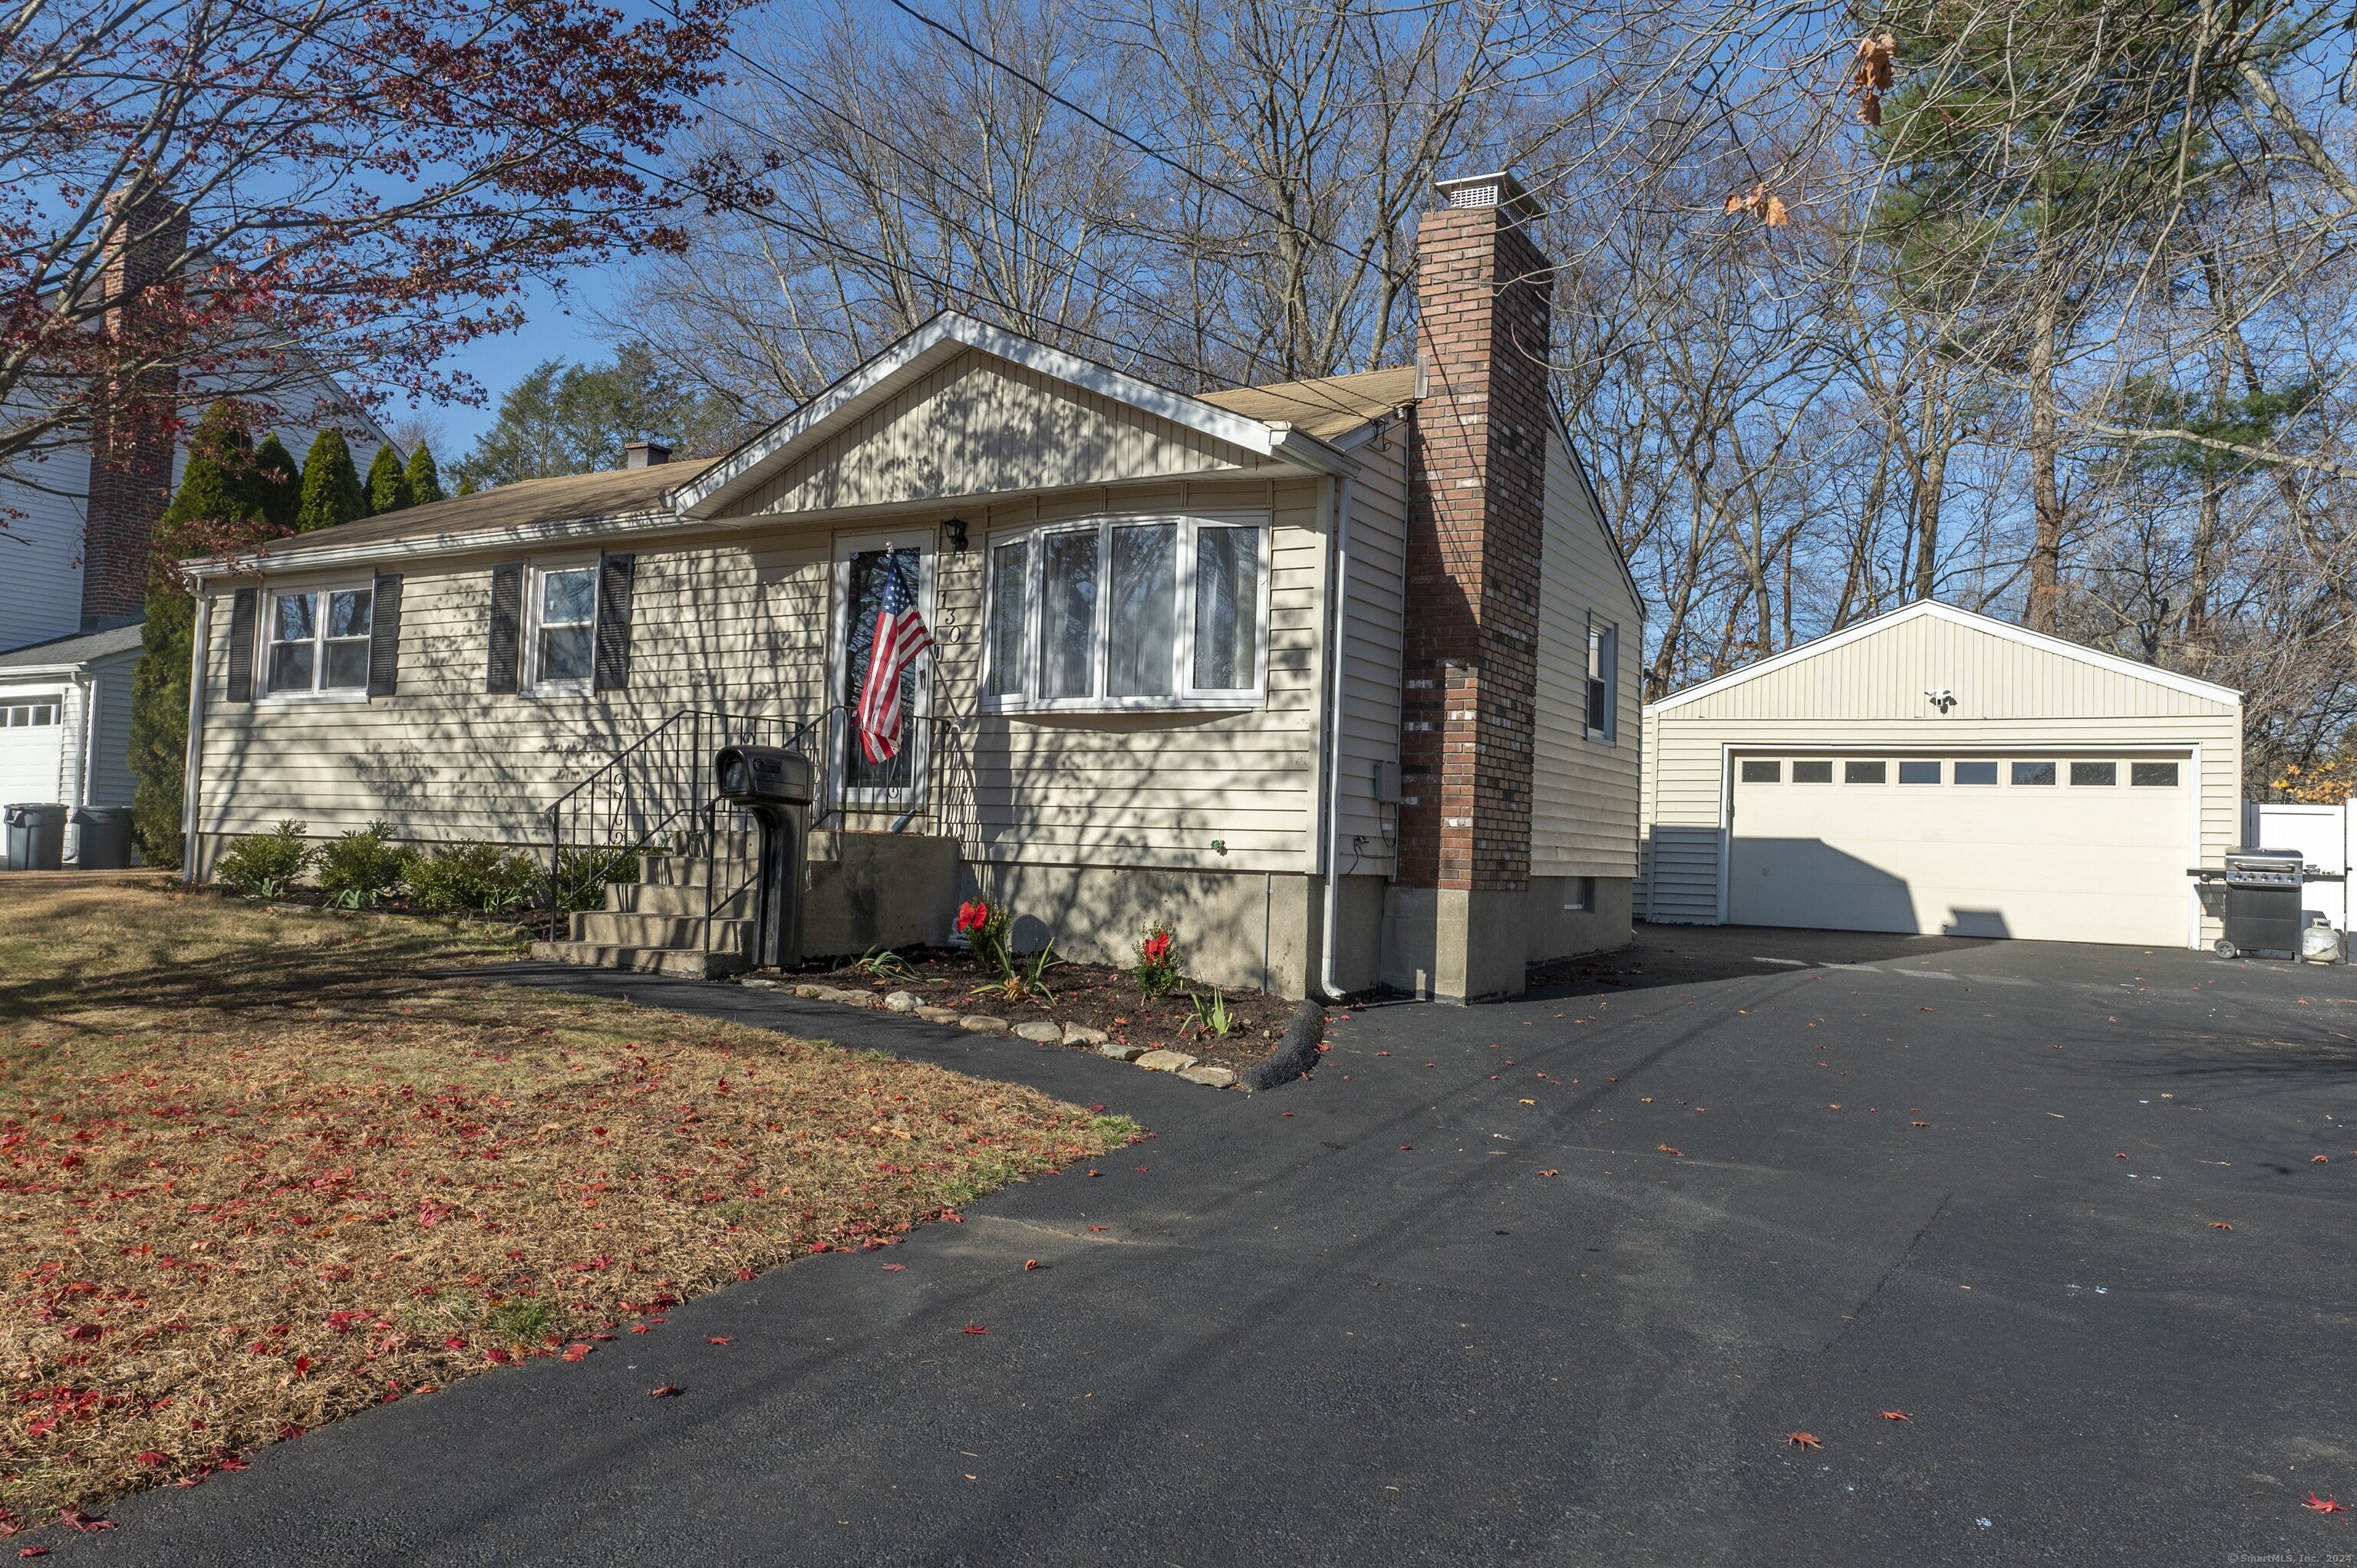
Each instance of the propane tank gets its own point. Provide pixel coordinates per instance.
(2319, 943)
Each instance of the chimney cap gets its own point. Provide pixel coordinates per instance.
(1497, 189)
(644, 454)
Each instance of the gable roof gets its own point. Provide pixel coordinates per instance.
(521, 509)
(1327, 407)
(935, 344)
(70, 652)
(1932, 609)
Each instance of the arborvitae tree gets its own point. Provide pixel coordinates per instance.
(388, 482)
(217, 506)
(331, 486)
(278, 484)
(425, 478)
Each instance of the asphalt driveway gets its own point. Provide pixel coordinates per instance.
(1546, 1283)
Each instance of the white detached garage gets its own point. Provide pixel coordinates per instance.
(1938, 772)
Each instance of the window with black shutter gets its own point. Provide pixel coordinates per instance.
(243, 606)
(384, 638)
(614, 574)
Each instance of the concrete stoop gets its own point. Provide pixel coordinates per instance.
(656, 926)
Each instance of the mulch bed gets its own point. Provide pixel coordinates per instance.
(1094, 995)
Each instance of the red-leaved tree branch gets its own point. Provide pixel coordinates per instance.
(225, 198)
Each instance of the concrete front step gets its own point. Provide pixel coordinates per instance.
(671, 898)
(610, 927)
(644, 960)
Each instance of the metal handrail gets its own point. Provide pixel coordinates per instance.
(640, 793)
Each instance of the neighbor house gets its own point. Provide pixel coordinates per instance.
(1327, 673)
(1939, 772)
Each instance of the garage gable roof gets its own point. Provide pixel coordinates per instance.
(1932, 610)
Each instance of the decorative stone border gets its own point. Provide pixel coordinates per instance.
(1177, 1063)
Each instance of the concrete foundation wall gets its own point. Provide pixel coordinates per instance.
(1454, 945)
(878, 890)
(1557, 933)
(1250, 930)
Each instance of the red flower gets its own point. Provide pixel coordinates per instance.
(1157, 946)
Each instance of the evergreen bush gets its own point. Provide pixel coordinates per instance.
(362, 868)
(388, 482)
(425, 477)
(483, 877)
(264, 866)
(331, 486)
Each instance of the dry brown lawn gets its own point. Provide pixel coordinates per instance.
(263, 1170)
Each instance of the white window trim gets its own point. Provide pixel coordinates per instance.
(265, 642)
(1593, 672)
(1185, 699)
(531, 682)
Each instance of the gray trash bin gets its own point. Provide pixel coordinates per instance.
(101, 837)
(36, 836)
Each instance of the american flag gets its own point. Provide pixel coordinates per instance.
(900, 635)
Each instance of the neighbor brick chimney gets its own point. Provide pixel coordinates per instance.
(1477, 484)
(130, 445)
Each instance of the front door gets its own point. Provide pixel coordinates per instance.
(864, 566)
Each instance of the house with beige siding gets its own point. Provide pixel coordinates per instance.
(1939, 772)
(1326, 673)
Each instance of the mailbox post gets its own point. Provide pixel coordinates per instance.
(776, 786)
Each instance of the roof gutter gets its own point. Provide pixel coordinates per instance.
(261, 562)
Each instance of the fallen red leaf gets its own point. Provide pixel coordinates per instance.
(2220, 1225)
(744, 1274)
(1896, 1415)
(1919, 1124)
(1029, 1264)
(973, 1328)
(717, 1339)
(32, 1551)
(2321, 1160)
(1094, 1228)
(74, 1518)
(578, 1352)
(1405, 1147)
(669, 1390)
(894, 1268)
(1803, 1440)
(2326, 1504)
(1550, 1173)
(1667, 1150)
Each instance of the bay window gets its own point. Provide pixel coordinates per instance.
(1126, 613)
(318, 643)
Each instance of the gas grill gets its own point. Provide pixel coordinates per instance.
(2263, 889)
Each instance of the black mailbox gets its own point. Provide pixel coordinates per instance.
(776, 786)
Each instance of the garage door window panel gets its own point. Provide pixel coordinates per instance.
(2152, 776)
(2095, 775)
(1977, 773)
(2033, 773)
(1866, 772)
(28, 716)
(1813, 772)
(1763, 772)
(1919, 773)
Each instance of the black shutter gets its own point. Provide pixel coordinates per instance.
(614, 574)
(507, 617)
(385, 637)
(243, 606)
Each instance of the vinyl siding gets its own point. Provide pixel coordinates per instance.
(2010, 696)
(981, 426)
(41, 551)
(1583, 791)
(1375, 624)
(741, 622)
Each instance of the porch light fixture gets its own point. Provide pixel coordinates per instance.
(955, 529)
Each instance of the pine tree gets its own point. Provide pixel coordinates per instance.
(425, 478)
(388, 482)
(278, 484)
(331, 486)
(217, 506)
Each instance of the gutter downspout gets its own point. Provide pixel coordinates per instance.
(1331, 804)
(191, 774)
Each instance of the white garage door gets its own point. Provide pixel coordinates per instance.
(32, 748)
(2081, 848)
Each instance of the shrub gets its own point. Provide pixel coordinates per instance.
(362, 866)
(1158, 961)
(481, 876)
(982, 922)
(264, 866)
(582, 876)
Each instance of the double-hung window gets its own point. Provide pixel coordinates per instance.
(1127, 612)
(564, 629)
(318, 643)
(1603, 682)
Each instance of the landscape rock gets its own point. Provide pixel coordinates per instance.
(809, 993)
(1166, 1061)
(983, 1024)
(1041, 1030)
(755, 984)
(1209, 1077)
(1121, 1050)
(903, 1002)
(1081, 1034)
(939, 1015)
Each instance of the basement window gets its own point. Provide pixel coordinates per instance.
(1123, 613)
(1579, 894)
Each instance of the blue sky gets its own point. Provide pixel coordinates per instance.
(558, 327)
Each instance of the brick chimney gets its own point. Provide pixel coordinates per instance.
(130, 445)
(1477, 488)
(644, 454)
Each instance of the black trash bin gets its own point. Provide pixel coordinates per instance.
(101, 837)
(36, 836)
